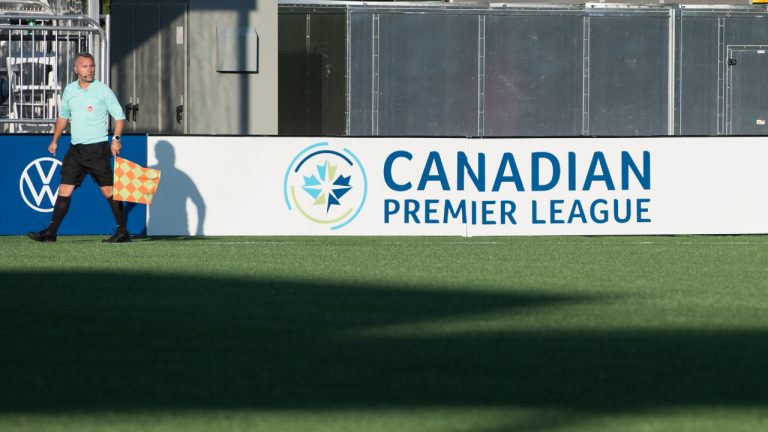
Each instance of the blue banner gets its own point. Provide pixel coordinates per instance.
(29, 180)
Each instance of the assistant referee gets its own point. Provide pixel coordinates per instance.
(85, 104)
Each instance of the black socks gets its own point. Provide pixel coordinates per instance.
(118, 211)
(60, 209)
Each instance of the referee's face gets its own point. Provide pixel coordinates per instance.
(85, 68)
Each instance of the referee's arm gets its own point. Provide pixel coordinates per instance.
(58, 129)
(116, 145)
(116, 111)
(65, 113)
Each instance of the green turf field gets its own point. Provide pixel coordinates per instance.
(385, 334)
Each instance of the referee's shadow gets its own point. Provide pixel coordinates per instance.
(168, 212)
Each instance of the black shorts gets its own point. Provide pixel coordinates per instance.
(93, 159)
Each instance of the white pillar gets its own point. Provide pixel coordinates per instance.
(94, 8)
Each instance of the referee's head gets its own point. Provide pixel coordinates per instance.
(85, 67)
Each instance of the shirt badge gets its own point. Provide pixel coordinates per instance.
(89, 108)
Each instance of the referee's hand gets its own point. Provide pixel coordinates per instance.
(116, 146)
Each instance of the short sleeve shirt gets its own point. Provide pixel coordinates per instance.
(87, 111)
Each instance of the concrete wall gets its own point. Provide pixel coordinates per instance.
(232, 102)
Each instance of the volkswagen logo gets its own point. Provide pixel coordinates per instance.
(35, 184)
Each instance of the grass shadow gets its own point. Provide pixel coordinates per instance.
(109, 341)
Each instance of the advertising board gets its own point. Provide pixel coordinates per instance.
(454, 186)
(30, 177)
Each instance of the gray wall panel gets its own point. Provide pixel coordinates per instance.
(312, 66)
(173, 59)
(292, 60)
(327, 67)
(747, 112)
(122, 55)
(147, 91)
(232, 103)
(533, 81)
(628, 75)
(746, 31)
(360, 64)
(698, 78)
(416, 96)
(149, 63)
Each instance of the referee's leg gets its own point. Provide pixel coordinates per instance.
(100, 168)
(118, 211)
(60, 208)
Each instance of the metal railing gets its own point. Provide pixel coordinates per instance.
(36, 63)
(58, 7)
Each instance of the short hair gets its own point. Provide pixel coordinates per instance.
(84, 55)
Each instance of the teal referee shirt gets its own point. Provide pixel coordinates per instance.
(87, 111)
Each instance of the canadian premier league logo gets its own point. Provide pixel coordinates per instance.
(325, 186)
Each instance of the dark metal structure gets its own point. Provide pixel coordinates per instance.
(480, 69)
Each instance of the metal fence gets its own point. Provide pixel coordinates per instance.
(490, 70)
(57, 7)
(36, 62)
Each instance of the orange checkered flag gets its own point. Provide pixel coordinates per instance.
(134, 183)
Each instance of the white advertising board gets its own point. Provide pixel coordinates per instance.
(464, 187)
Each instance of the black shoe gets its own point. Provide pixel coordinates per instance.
(118, 238)
(42, 236)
